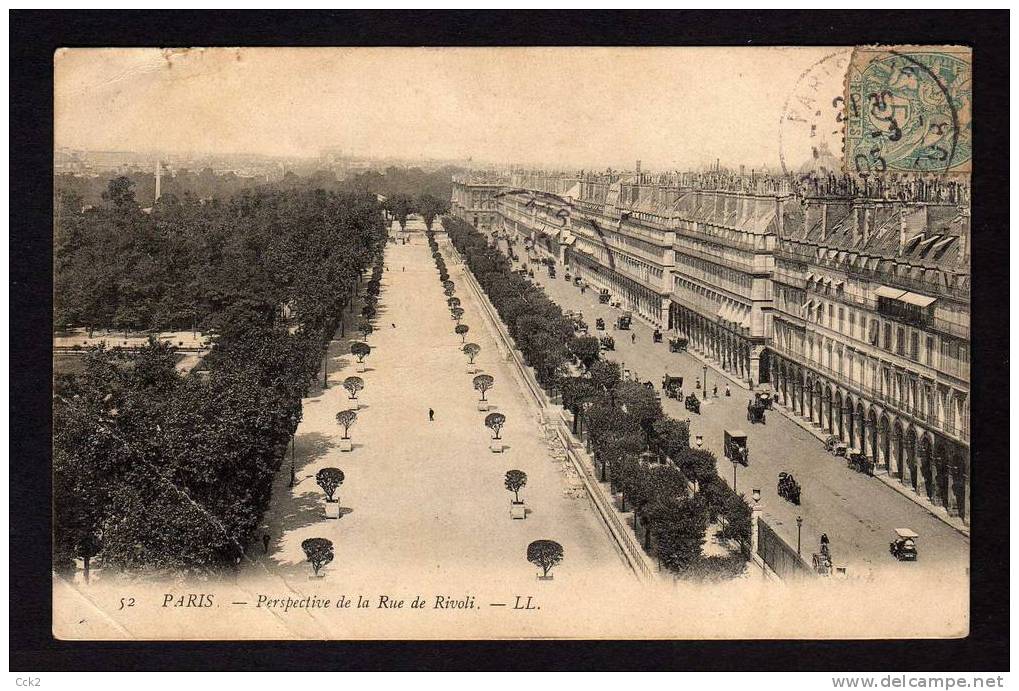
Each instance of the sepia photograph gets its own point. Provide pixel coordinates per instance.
(539, 342)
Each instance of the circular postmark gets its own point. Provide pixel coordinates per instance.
(908, 110)
(811, 125)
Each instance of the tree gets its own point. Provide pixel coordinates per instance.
(448, 285)
(699, 465)
(329, 479)
(515, 481)
(461, 330)
(430, 207)
(545, 554)
(319, 552)
(482, 383)
(401, 207)
(368, 312)
(671, 437)
(640, 403)
(587, 349)
(678, 527)
(495, 421)
(365, 327)
(605, 374)
(346, 419)
(453, 302)
(360, 350)
(471, 350)
(457, 313)
(353, 385)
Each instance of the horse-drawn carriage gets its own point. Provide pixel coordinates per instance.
(623, 320)
(859, 462)
(599, 324)
(755, 411)
(672, 386)
(788, 488)
(607, 343)
(692, 403)
(678, 345)
(603, 296)
(735, 445)
(835, 446)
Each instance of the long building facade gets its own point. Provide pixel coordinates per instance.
(850, 300)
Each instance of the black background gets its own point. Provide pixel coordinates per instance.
(35, 35)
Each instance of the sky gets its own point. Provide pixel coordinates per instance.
(673, 108)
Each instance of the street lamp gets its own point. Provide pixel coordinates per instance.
(734, 463)
(699, 441)
(756, 495)
(293, 450)
(799, 532)
(705, 380)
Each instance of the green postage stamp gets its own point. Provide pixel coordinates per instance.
(908, 109)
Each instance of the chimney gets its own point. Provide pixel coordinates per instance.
(902, 231)
(638, 166)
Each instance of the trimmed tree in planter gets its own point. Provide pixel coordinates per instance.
(346, 420)
(319, 552)
(448, 292)
(353, 385)
(461, 330)
(482, 383)
(495, 422)
(453, 302)
(471, 350)
(514, 482)
(448, 285)
(545, 554)
(365, 328)
(360, 350)
(457, 313)
(329, 479)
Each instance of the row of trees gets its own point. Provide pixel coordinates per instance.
(158, 470)
(674, 490)
(400, 206)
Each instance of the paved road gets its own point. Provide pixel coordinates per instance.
(858, 513)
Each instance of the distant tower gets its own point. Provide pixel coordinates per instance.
(638, 166)
(159, 177)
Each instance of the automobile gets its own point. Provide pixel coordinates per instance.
(692, 403)
(903, 547)
(566, 276)
(735, 445)
(607, 343)
(603, 295)
(755, 411)
(599, 324)
(764, 395)
(835, 446)
(657, 335)
(623, 320)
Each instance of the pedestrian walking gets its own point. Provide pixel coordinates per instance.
(727, 391)
(431, 415)
(394, 325)
(714, 391)
(633, 338)
(265, 543)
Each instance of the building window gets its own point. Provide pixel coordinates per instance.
(914, 346)
(852, 323)
(888, 337)
(842, 319)
(900, 341)
(930, 351)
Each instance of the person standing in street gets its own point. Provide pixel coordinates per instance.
(633, 338)
(431, 415)
(727, 391)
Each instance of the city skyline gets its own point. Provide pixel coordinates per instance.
(497, 106)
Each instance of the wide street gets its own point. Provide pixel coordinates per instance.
(858, 513)
(425, 500)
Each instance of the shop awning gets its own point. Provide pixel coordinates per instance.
(890, 293)
(917, 299)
